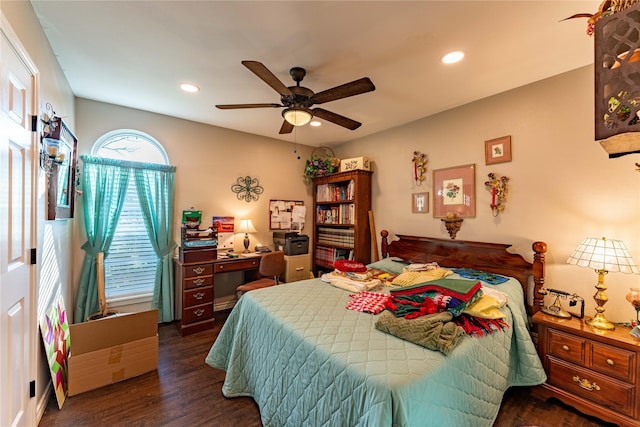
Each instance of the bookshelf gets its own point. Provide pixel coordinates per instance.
(341, 205)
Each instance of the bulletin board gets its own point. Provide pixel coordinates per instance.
(281, 214)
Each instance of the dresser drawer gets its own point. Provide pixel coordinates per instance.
(198, 296)
(197, 313)
(590, 385)
(567, 347)
(196, 282)
(197, 270)
(613, 361)
(221, 267)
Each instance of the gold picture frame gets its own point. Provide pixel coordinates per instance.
(454, 191)
(497, 150)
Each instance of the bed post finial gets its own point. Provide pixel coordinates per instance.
(539, 249)
(384, 244)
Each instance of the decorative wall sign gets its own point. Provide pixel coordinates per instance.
(247, 189)
(420, 203)
(497, 150)
(454, 191)
(54, 327)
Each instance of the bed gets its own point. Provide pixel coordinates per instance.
(307, 360)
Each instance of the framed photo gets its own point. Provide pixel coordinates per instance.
(420, 203)
(454, 191)
(497, 150)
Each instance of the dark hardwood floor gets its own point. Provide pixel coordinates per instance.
(184, 391)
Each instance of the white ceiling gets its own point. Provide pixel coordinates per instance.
(136, 53)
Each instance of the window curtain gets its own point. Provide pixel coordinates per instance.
(156, 192)
(104, 184)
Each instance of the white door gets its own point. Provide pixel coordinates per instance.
(18, 328)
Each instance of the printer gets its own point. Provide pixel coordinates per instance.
(291, 242)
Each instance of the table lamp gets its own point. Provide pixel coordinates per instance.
(246, 227)
(603, 256)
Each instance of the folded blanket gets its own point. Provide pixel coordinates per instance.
(470, 273)
(462, 289)
(435, 331)
(408, 278)
(351, 285)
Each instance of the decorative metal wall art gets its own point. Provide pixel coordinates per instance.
(247, 188)
(498, 188)
(419, 167)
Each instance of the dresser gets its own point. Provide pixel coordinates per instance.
(194, 296)
(596, 372)
(297, 267)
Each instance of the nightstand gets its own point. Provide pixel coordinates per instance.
(297, 267)
(595, 371)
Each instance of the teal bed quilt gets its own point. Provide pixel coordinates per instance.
(308, 361)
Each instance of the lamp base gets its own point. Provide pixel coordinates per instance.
(246, 244)
(600, 322)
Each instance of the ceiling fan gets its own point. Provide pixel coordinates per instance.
(298, 100)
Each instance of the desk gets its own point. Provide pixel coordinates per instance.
(195, 289)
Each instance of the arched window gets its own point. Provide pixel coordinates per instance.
(130, 266)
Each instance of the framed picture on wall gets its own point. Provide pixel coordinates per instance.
(420, 202)
(454, 191)
(497, 150)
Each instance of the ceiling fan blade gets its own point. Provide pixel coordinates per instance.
(336, 118)
(267, 76)
(286, 127)
(234, 106)
(355, 87)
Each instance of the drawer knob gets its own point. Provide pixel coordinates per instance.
(610, 362)
(199, 295)
(565, 347)
(198, 281)
(198, 270)
(586, 384)
(199, 312)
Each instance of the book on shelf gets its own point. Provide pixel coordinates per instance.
(327, 255)
(341, 214)
(335, 192)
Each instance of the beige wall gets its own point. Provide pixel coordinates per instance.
(563, 186)
(209, 160)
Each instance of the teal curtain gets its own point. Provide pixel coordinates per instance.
(104, 184)
(156, 192)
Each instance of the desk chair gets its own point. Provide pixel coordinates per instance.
(270, 269)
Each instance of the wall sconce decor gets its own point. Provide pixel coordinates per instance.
(452, 223)
(498, 188)
(247, 188)
(419, 166)
(51, 157)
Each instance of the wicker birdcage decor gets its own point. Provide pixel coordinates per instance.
(617, 79)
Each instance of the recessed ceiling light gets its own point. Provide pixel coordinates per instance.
(188, 87)
(315, 123)
(453, 57)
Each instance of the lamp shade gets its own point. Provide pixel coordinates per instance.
(297, 116)
(603, 254)
(246, 226)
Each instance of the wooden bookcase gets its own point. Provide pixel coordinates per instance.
(341, 205)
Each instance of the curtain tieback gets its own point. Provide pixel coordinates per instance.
(167, 250)
(90, 250)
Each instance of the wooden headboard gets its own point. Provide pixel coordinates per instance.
(490, 257)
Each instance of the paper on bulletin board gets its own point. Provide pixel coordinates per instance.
(281, 214)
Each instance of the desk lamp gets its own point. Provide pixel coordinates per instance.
(246, 227)
(603, 256)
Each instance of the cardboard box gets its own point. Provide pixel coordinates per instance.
(112, 349)
(362, 163)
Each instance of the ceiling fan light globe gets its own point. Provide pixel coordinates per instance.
(297, 117)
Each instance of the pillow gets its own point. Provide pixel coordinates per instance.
(393, 265)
